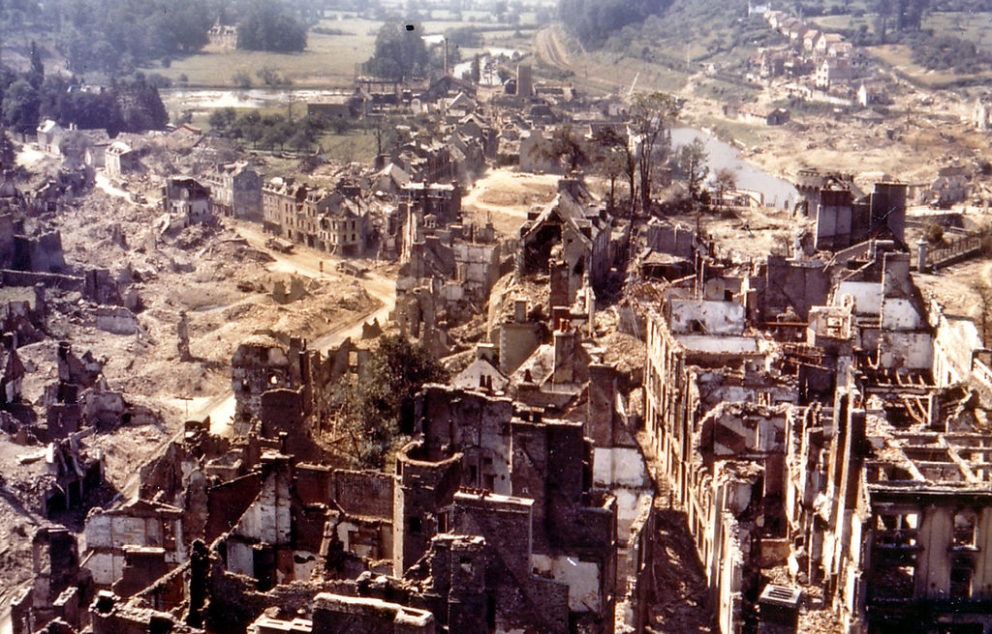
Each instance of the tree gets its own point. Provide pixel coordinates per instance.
(250, 128)
(724, 180)
(691, 162)
(475, 69)
(241, 80)
(271, 78)
(610, 155)
(651, 116)
(400, 52)
(269, 26)
(20, 107)
(140, 105)
(380, 408)
(37, 72)
(593, 22)
(113, 35)
(563, 147)
(222, 119)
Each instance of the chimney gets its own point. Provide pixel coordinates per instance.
(564, 344)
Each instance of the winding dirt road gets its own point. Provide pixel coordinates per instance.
(304, 261)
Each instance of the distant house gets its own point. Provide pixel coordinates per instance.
(871, 93)
(443, 201)
(811, 39)
(826, 41)
(461, 105)
(952, 185)
(331, 106)
(390, 179)
(832, 72)
(771, 63)
(281, 200)
(223, 35)
(569, 239)
(237, 191)
(474, 126)
(774, 18)
(794, 29)
(50, 136)
(344, 227)
(119, 159)
(756, 9)
(447, 86)
(840, 49)
(186, 198)
(753, 115)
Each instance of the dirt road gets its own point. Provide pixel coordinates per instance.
(307, 262)
(551, 50)
(504, 197)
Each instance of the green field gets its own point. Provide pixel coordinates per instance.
(329, 60)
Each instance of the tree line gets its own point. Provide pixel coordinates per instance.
(271, 131)
(129, 104)
(117, 36)
(593, 22)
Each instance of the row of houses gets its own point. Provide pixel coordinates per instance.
(812, 40)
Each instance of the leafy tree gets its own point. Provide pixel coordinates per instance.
(37, 72)
(140, 105)
(613, 157)
(270, 77)
(691, 162)
(222, 119)
(475, 69)
(724, 180)
(594, 21)
(565, 147)
(20, 106)
(251, 128)
(241, 80)
(114, 35)
(948, 52)
(463, 36)
(270, 26)
(651, 115)
(400, 52)
(381, 406)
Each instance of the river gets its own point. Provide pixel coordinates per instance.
(778, 192)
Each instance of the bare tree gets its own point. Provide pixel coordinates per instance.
(651, 116)
(614, 158)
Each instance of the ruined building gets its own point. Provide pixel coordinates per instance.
(833, 445)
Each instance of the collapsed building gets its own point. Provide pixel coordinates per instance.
(823, 432)
(495, 518)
